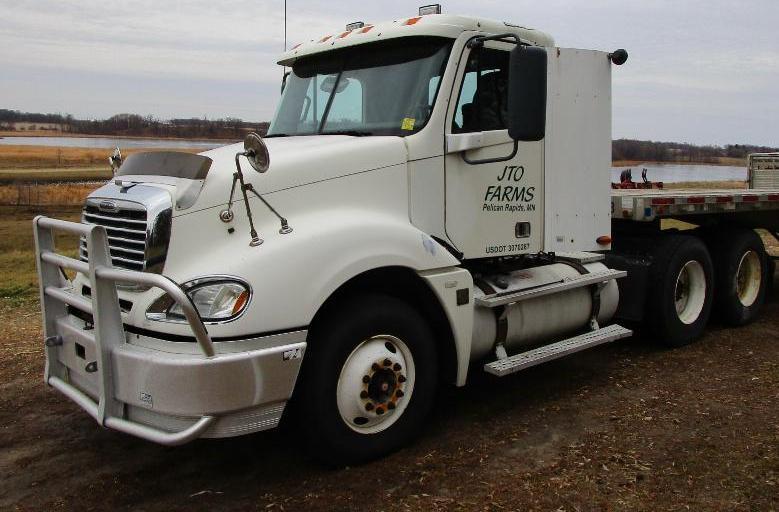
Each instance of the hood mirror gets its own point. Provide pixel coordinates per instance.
(256, 152)
(328, 84)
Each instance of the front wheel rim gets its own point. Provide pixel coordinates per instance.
(376, 384)
(749, 277)
(690, 292)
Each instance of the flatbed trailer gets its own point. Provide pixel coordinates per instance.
(753, 207)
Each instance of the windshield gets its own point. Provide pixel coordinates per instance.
(386, 88)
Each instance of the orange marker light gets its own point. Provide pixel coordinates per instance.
(413, 21)
(603, 240)
(345, 34)
(366, 29)
(325, 38)
(240, 302)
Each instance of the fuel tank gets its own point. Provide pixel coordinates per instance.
(541, 319)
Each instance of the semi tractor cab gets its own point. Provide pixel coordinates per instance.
(432, 199)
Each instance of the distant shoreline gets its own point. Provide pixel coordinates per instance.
(721, 162)
(45, 133)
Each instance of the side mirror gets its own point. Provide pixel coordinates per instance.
(527, 93)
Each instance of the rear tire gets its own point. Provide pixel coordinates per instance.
(681, 286)
(369, 380)
(741, 272)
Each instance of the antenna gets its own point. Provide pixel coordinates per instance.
(285, 25)
(284, 68)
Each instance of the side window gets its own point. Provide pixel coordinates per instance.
(483, 101)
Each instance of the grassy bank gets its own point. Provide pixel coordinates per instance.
(49, 157)
(18, 275)
(44, 195)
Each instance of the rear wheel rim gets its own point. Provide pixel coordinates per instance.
(749, 277)
(376, 384)
(690, 292)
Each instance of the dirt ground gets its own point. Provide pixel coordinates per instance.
(630, 426)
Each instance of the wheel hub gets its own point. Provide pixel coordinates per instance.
(690, 292)
(375, 384)
(749, 278)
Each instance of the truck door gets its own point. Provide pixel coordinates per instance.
(496, 208)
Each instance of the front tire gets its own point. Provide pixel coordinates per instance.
(368, 381)
(681, 290)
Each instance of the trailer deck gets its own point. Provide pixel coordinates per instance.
(647, 205)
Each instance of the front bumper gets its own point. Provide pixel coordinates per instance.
(150, 388)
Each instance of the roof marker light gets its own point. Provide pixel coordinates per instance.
(430, 9)
(355, 25)
(325, 39)
(366, 29)
(345, 34)
(412, 21)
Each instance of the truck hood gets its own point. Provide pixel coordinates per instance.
(298, 161)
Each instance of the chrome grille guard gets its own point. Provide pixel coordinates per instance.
(56, 293)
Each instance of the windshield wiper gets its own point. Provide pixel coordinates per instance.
(354, 133)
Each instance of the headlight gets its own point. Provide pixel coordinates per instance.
(217, 299)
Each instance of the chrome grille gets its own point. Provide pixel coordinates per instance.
(126, 230)
(137, 221)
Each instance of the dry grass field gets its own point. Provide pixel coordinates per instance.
(45, 163)
(43, 157)
(45, 195)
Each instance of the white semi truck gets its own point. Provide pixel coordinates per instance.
(432, 198)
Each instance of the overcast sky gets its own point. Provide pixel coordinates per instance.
(701, 71)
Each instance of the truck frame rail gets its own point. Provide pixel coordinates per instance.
(56, 293)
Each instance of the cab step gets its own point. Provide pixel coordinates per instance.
(503, 298)
(515, 363)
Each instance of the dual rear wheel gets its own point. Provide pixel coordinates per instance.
(689, 281)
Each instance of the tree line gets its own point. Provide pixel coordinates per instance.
(646, 150)
(136, 125)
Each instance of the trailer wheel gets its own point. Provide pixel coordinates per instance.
(680, 295)
(741, 270)
(369, 381)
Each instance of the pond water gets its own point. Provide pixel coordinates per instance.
(673, 173)
(111, 142)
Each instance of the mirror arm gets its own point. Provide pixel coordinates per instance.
(255, 239)
(491, 160)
